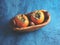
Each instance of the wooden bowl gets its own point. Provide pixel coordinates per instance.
(34, 27)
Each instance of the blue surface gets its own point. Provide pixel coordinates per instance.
(48, 35)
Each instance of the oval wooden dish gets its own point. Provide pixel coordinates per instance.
(34, 27)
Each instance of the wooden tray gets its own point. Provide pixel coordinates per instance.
(35, 27)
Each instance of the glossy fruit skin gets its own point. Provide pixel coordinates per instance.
(19, 23)
(40, 20)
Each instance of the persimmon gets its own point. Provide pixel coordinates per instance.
(37, 17)
(21, 20)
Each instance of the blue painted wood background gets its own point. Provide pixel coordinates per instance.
(48, 35)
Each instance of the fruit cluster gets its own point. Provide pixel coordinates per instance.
(34, 18)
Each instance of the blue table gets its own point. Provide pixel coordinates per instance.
(48, 35)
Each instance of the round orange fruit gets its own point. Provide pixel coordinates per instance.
(37, 17)
(21, 20)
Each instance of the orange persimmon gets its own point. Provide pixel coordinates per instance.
(37, 17)
(21, 20)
